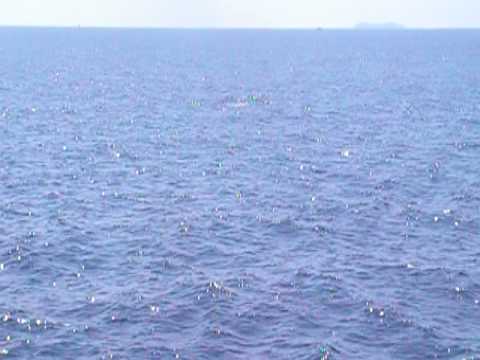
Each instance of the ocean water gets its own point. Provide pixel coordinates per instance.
(239, 194)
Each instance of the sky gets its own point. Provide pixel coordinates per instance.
(240, 13)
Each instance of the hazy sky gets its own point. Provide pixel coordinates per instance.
(239, 13)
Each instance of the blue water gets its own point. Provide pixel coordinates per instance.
(239, 194)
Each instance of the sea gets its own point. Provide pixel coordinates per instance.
(239, 194)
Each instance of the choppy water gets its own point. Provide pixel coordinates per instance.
(239, 194)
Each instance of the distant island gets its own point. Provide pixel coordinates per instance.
(380, 26)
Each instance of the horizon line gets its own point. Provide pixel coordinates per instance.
(147, 27)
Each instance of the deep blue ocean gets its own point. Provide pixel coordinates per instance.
(239, 194)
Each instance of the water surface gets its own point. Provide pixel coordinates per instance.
(239, 194)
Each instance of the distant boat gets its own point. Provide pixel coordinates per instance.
(319, 29)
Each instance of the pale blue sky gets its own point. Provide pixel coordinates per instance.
(239, 13)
